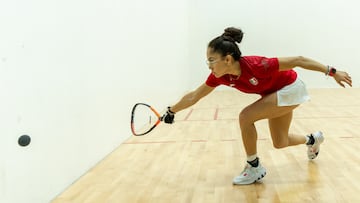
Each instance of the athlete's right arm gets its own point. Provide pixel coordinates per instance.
(192, 97)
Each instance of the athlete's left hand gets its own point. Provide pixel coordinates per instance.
(341, 77)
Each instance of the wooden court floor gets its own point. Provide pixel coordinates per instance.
(195, 159)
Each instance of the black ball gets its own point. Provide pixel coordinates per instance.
(24, 140)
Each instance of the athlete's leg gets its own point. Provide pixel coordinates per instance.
(279, 129)
(265, 107)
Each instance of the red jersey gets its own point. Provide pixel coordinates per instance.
(259, 75)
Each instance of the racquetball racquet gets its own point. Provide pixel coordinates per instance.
(144, 119)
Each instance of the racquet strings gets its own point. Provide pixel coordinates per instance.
(143, 119)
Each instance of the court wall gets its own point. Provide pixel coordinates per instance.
(70, 72)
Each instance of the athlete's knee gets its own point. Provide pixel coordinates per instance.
(245, 118)
(278, 144)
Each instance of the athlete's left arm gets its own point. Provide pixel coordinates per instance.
(287, 63)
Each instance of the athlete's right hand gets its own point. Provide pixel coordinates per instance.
(168, 117)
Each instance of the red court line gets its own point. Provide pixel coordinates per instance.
(216, 114)
(188, 115)
(225, 119)
(316, 117)
(199, 140)
(294, 118)
(229, 140)
(217, 109)
(166, 142)
(150, 142)
(204, 141)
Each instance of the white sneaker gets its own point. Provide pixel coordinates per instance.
(250, 175)
(313, 150)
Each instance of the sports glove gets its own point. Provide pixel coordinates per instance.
(168, 117)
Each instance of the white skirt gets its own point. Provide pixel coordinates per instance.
(292, 94)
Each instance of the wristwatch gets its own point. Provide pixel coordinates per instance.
(331, 71)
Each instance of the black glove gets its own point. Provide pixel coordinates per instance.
(168, 117)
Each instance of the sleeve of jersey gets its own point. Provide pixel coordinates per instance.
(212, 81)
(273, 64)
(267, 66)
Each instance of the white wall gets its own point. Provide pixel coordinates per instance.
(325, 30)
(70, 72)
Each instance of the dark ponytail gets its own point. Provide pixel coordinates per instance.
(226, 43)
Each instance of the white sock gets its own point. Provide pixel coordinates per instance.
(251, 157)
(306, 139)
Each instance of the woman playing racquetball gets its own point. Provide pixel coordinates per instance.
(279, 86)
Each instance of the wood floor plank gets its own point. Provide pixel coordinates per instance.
(195, 159)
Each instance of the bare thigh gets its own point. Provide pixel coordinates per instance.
(264, 108)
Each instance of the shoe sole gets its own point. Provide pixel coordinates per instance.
(259, 178)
